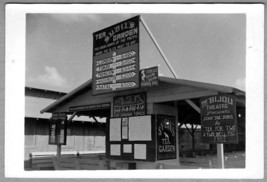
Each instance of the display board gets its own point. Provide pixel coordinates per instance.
(58, 129)
(139, 127)
(166, 137)
(131, 138)
(218, 119)
(129, 105)
(116, 57)
(149, 77)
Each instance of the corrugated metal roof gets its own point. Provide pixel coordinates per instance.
(208, 86)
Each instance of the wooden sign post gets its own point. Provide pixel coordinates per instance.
(218, 122)
(58, 131)
(220, 156)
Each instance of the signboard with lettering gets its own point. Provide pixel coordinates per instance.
(149, 77)
(218, 119)
(58, 129)
(129, 105)
(89, 107)
(166, 137)
(116, 57)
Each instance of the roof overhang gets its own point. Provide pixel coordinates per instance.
(171, 81)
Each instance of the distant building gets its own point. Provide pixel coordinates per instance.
(83, 134)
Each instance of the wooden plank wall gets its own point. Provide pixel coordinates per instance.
(81, 137)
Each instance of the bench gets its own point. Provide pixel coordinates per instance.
(44, 160)
(69, 160)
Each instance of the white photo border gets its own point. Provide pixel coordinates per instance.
(15, 86)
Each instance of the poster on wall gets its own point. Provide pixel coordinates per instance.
(218, 119)
(166, 137)
(116, 57)
(129, 105)
(58, 129)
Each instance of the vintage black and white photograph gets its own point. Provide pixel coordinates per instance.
(130, 87)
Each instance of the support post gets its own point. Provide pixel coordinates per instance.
(103, 128)
(220, 156)
(71, 117)
(58, 150)
(177, 133)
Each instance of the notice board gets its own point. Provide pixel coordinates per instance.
(58, 129)
(129, 105)
(116, 57)
(166, 137)
(131, 138)
(218, 119)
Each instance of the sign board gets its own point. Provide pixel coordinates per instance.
(59, 115)
(166, 137)
(89, 107)
(218, 119)
(58, 129)
(149, 77)
(116, 57)
(129, 105)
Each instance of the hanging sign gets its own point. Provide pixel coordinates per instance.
(116, 57)
(218, 119)
(149, 77)
(89, 107)
(129, 105)
(58, 129)
(166, 137)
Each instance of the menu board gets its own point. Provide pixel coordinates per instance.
(129, 105)
(166, 137)
(58, 129)
(218, 119)
(149, 77)
(116, 57)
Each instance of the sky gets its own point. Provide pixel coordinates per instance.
(208, 48)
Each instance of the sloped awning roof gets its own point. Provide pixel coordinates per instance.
(33, 105)
(88, 85)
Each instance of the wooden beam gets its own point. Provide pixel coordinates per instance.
(104, 129)
(188, 130)
(192, 104)
(72, 116)
(158, 48)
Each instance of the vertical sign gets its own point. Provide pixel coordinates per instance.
(116, 57)
(58, 129)
(149, 77)
(125, 128)
(166, 137)
(52, 132)
(218, 119)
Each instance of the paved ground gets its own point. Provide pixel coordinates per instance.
(232, 160)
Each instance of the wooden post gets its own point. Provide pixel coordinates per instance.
(177, 133)
(220, 156)
(58, 150)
